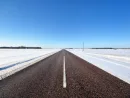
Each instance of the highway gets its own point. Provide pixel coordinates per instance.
(63, 75)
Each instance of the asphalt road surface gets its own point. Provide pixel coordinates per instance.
(63, 75)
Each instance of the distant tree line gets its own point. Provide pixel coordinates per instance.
(20, 47)
(98, 48)
(109, 48)
(103, 48)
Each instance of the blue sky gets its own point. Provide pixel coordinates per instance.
(65, 23)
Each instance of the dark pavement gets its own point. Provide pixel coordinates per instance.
(45, 80)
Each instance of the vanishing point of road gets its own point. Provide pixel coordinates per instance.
(63, 75)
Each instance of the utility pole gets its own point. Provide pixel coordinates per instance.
(83, 46)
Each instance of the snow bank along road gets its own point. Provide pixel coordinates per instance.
(118, 66)
(12, 61)
(63, 75)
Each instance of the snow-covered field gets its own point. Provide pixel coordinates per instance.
(13, 60)
(115, 52)
(115, 62)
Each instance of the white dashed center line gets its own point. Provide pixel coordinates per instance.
(64, 74)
